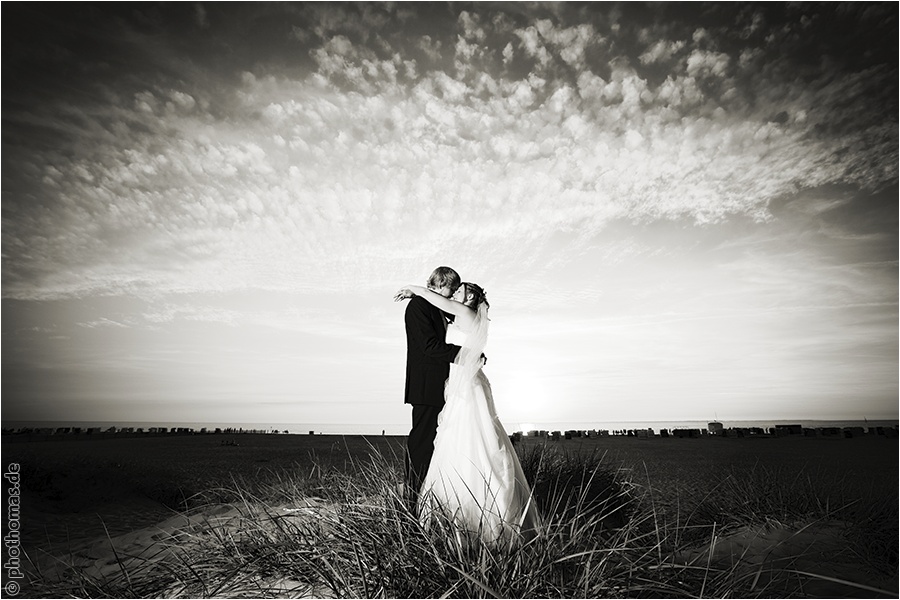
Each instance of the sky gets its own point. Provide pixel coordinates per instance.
(678, 211)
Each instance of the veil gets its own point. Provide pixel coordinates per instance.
(468, 360)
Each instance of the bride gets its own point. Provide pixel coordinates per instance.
(475, 478)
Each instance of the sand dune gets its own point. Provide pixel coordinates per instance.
(173, 540)
(816, 554)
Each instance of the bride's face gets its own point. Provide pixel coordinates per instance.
(460, 294)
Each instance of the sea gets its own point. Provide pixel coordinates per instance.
(403, 428)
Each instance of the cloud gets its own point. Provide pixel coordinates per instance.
(661, 51)
(701, 63)
(471, 27)
(570, 42)
(431, 47)
(292, 180)
(103, 322)
(534, 46)
(363, 21)
(200, 15)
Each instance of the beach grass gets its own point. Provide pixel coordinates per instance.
(341, 528)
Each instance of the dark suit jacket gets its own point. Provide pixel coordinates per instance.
(428, 355)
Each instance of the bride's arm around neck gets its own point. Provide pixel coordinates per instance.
(465, 316)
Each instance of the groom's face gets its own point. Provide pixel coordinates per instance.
(445, 291)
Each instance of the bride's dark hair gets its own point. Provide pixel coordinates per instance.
(479, 294)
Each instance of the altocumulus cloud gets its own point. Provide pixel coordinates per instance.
(397, 129)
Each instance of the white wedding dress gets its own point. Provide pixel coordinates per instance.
(475, 478)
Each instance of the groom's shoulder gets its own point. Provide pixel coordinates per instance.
(418, 304)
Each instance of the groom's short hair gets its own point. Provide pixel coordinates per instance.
(444, 277)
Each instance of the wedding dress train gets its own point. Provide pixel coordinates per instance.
(475, 478)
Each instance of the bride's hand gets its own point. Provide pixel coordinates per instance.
(403, 294)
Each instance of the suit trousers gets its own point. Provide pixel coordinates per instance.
(420, 446)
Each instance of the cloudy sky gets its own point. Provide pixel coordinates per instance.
(677, 211)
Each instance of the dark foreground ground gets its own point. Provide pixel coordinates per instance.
(75, 489)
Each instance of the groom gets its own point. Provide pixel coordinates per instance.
(428, 358)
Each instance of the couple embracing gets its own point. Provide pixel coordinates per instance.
(460, 462)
